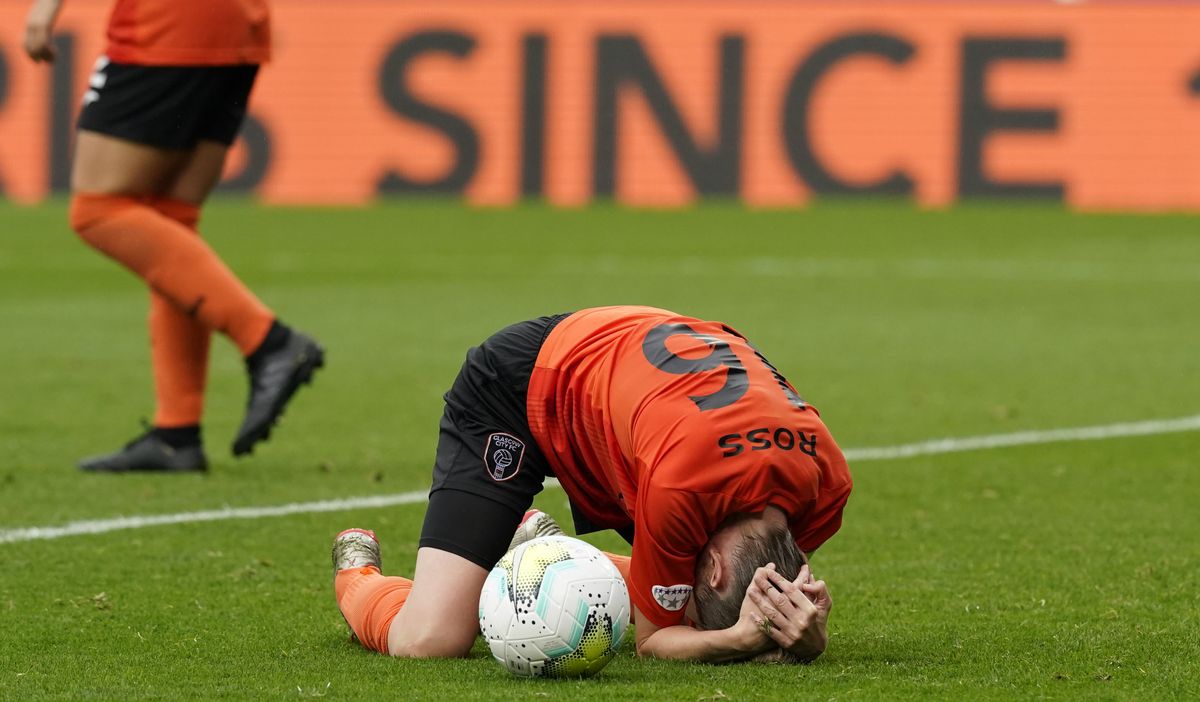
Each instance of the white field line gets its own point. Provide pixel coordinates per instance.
(100, 526)
(1024, 438)
(854, 455)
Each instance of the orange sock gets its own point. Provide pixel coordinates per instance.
(178, 343)
(621, 562)
(370, 601)
(174, 262)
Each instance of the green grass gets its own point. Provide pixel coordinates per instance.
(1066, 570)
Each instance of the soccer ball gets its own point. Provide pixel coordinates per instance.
(554, 607)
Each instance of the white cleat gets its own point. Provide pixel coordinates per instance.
(355, 548)
(535, 523)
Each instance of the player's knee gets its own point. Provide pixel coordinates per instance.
(83, 213)
(89, 209)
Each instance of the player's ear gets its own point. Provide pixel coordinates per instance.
(714, 570)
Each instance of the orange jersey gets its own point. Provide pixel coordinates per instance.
(189, 32)
(672, 424)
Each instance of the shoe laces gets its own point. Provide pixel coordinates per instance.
(354, 550)
(147, 433)
(546, 526)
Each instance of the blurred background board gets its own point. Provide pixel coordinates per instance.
(1095, 104)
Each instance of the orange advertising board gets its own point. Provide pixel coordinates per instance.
(662, 102)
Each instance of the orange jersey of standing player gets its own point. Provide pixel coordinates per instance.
(189, 32)
(672, 424)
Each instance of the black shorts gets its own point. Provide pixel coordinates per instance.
(169, 107)
(488, 466)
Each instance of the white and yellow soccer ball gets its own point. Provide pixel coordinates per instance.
(554, 607)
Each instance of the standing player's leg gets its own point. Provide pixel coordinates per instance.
(284, 358)
(122, 176)
(179, 342)
(137, 203)
(179, 346)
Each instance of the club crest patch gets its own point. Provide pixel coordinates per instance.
(672, 597)
(502, 456)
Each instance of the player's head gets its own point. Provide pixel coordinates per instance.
(727, 564)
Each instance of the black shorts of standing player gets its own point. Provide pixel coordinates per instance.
(168, 107)
(488, 467)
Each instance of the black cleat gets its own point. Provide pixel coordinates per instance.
(148, 453)
(273, 381)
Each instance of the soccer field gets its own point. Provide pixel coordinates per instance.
(1024, 564)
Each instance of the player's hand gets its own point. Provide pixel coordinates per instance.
(39, 28)
(797, 622)
(816, 591)
(751, 629)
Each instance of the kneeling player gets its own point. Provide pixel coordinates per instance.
(673, 431)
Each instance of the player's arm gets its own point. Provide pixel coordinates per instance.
(742, 641)
(39, 26)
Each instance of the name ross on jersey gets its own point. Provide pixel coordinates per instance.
(766, 438)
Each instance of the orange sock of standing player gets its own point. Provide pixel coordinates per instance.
(174, 262)
(369, 602)
(179, 344)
